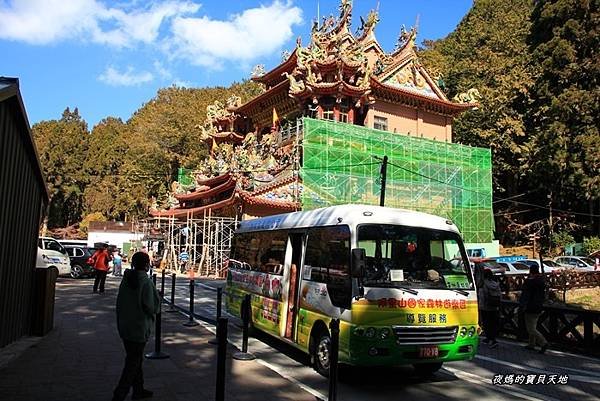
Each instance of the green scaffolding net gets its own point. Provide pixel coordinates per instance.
(184, 176)
(341, 165)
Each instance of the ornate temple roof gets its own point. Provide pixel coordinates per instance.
(336, 63)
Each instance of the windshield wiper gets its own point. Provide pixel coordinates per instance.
(390, 285)
(461, 292)
(409, 290)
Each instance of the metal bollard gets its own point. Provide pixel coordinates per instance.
(172, 306)
(191, 322)
(215, 340)
(157, 353)
(334, 327)
(244, 355)
(154, 279)
(162, 283)
(221, 354)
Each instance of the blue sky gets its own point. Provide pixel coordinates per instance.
(110, 57)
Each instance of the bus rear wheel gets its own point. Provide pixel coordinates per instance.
(427, 369)
(321, 354)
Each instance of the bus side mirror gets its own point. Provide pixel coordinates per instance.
(358, 262)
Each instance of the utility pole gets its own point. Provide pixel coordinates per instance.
(550, 219)
(383, 180)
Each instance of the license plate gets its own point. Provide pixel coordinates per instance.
(429, 352)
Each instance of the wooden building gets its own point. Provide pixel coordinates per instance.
(23, 202)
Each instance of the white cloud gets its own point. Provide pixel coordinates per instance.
(170, 26)
(48, 21)
(163, 72)
(127, 78)
(253, 34)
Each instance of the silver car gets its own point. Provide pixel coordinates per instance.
(577, 262)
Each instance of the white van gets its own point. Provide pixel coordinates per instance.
(52, 253)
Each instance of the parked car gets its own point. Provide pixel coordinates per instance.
(79, 256)
(514, 268)
(480, 264)
(577, 262)
(52, 254)
(550, 266)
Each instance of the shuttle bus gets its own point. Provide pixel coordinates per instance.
(399, 281)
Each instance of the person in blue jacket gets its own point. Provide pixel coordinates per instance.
(138, 302)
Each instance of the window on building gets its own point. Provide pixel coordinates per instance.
(327, 260)
(328, 114)
(380, 123)
(343, 115)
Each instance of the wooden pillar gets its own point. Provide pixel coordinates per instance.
(351, 115)
(336, 112)
(319, 112)
(449, 129)
(419, 122)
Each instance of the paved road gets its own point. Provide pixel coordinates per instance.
(456, 380)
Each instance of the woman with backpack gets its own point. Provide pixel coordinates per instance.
(489, 300)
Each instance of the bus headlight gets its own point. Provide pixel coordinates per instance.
(471, 331)
(384, 333)
(370, 333)
(463, 331)
(359, 331)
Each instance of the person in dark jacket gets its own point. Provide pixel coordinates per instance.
(489, 298)
(531, 304)
(138, 302)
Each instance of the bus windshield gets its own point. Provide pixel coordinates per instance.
(412, 257)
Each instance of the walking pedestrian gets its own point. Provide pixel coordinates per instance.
(117, 263)
(531, 304)
(100, 260)
(138, 303)
(489, 301)
(184, 257)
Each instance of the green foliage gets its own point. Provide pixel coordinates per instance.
(591, 244)
(562, 239)
(62, 146)
(488, 51)
(85, 223)
(565, 117)
(536, 66)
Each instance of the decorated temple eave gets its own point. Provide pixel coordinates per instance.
(404, 96)
(210, 182)
(258, 206)
(246, 108)
(274, 184)
(227, 136)
(274, 76)
(333, 88)
(183, 213)
(229, 184)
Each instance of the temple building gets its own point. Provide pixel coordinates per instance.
(314, 137)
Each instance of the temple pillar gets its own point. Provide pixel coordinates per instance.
(319, 112)
(336, 112)
(351, 115)
(449, 129)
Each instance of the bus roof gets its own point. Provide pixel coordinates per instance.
(351, 215)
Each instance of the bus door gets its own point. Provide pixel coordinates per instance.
(292, 290)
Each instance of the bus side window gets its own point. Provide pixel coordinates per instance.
(328, 254)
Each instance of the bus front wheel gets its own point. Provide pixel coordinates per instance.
(322, 354)
(427, 369)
